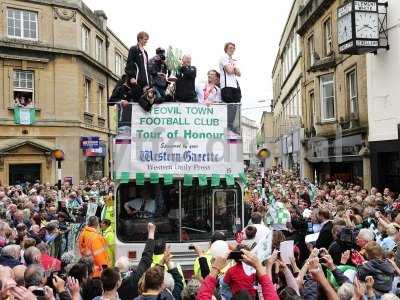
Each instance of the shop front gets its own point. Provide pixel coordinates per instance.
(291, 151)
(336, 159)
(385, 164)
(95, 161)
(25, 160)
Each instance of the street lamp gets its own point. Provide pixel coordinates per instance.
(58, 155)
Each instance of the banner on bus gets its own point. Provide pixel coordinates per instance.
(179, 139)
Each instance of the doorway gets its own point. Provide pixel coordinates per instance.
(21, 173)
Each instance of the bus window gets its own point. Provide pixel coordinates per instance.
(139, 205)
(226, 211)
(197, 213)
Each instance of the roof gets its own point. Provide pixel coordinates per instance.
(8, 145)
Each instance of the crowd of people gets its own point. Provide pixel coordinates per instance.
(333, 241)
(149, 81)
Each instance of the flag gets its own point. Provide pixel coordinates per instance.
(168, 179)
(24, 116)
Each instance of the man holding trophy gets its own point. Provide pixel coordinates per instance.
(185, 82)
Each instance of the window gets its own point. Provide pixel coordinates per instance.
(101, 94)
(310, 44)
(99, 49)
(328, 36)
(327, 98)
(85, 40)
(182, 214)
(87, 95)
(312, 109)
(118, 64)
(23, 83)
(22, 24)
(353, 95)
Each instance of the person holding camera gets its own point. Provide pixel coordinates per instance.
(185, 90)
(159, 72)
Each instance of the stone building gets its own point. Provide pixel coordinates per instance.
(58, 64)
(249, 140)
(334, 93)
(287, 104)
(383, 70)
(267, 139)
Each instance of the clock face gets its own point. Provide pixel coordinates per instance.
(344, 29)
(367, 25)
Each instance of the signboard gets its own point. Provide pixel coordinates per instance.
(179, 139)
(90, 142)
(100, 151)
(68, 179)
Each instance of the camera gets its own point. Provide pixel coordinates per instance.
(236, 255)
(38, 292)
(161, 53)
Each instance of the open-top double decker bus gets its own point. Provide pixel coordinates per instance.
(179, 167)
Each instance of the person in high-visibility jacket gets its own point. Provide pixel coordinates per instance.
(217, 236)
(109, 235)
(108, 210)
(91, 243)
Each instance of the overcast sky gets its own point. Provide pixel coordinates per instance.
(201, 27)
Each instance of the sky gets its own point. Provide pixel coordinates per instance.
(201, 28)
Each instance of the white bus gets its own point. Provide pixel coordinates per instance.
(179, 167)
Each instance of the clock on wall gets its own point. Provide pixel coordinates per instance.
(358, 26)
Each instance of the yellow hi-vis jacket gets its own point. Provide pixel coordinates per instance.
(109, 236)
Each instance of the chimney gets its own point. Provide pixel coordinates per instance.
(102, 17)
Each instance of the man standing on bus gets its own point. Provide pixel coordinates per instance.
(185, 90)
(92, 243)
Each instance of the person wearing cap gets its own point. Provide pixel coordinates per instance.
(159, 71)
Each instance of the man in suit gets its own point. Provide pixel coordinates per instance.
(137, 65)
(325, 237)
(185, 83)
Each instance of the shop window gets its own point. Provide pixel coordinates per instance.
(95, 167)
(24, 88)
(22, 24)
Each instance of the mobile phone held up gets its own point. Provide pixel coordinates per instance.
(236, 255)
(191, 247)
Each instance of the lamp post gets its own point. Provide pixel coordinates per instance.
(262, 155)
(58, 155)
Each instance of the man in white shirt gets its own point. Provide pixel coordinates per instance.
(142, 204)
(230, 89)
(209, 92)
